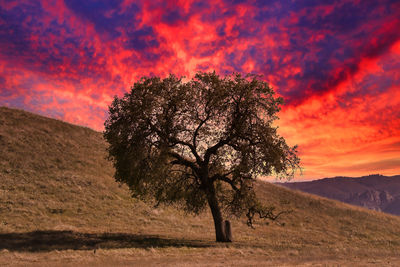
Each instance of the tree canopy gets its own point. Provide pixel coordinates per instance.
(204, 141)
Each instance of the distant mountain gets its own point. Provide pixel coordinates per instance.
(376, 192)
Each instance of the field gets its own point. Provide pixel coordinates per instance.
(59, 205)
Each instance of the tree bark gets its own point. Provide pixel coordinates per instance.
(228, 231)
(217, 216)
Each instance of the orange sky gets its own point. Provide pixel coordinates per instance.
(337, 65)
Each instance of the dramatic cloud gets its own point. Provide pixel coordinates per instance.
(336, 63)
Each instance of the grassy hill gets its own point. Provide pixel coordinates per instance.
(60, 205)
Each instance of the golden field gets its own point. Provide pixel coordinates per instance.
(59, 205)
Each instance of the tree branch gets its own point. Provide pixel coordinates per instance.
(263, 213)
(212, 150)
(176, 141)
(225, 179)
(196, 132)
(193, 174)
(182, 161)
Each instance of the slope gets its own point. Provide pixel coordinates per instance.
(59, 204)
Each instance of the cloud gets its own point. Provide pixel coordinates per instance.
(336, 63)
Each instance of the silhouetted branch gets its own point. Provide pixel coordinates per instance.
(263, 213)
(182, 161)
(196, 132)
(174, 141)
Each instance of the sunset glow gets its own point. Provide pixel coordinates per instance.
(336, 64)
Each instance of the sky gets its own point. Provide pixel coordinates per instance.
(336, 64)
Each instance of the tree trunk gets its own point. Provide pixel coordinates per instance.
(217, 216)
(228, 231)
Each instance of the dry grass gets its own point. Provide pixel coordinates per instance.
(59, 204)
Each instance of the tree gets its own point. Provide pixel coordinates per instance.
(204, 141)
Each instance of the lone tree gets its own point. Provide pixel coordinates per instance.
(199, 142)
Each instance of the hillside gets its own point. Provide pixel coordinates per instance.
(376, 192)
(60, 205)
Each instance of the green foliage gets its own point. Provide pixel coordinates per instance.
(174, 141)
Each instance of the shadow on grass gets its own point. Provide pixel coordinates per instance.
(61, 240)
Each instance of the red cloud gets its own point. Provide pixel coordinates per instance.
(335, 64)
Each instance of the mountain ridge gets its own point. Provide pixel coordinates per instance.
(376, 192)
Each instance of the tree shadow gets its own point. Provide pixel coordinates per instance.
(38, 241)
